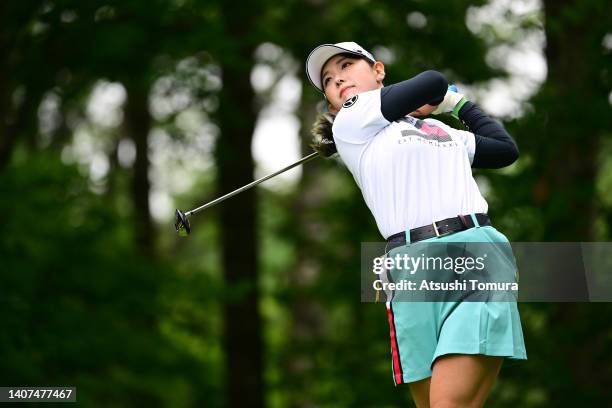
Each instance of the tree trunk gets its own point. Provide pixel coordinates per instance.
(138, 123)
(242, 339)
(571, 132)
(307, 315)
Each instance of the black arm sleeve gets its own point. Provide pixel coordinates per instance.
(495, 148)
(398, 100)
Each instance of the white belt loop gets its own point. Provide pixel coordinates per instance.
(475, 220)
(435, 227)
(408, 242)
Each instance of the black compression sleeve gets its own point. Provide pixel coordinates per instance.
(495, 148)
(398, 100)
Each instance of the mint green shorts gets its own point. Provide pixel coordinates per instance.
(421, 331)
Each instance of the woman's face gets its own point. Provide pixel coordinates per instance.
(343, 77)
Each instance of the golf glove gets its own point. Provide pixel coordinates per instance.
(452, 103)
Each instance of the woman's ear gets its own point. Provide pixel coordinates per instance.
(379, 68)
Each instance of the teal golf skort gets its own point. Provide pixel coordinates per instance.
(423, 330)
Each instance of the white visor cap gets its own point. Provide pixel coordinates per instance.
(319, 56)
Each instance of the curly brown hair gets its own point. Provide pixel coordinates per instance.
(322, 136)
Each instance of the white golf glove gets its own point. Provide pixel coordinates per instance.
(452, 103)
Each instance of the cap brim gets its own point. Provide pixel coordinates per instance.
(318, 57)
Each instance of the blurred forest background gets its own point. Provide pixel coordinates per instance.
(116, 112)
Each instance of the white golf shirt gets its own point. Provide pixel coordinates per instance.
(411, 172)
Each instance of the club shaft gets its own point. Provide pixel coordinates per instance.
(252, 184)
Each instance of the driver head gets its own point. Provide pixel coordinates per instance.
(181, 223)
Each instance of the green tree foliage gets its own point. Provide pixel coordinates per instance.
(79, 307)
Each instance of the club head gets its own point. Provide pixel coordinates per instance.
(181, 223)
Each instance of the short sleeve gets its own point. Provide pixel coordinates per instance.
(360, 118)
(466, 138)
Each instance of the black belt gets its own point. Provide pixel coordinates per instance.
(436, 229)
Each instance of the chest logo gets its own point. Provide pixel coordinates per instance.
(350, 102)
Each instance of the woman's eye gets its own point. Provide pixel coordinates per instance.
(345, 64)
(325, 81)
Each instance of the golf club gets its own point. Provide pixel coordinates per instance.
(181, 220)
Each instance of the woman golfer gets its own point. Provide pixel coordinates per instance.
(416, 178)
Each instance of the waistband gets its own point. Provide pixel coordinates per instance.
(437, 229)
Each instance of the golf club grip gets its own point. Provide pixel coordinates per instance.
(252, 184)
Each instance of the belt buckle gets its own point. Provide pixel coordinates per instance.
(438, 234)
